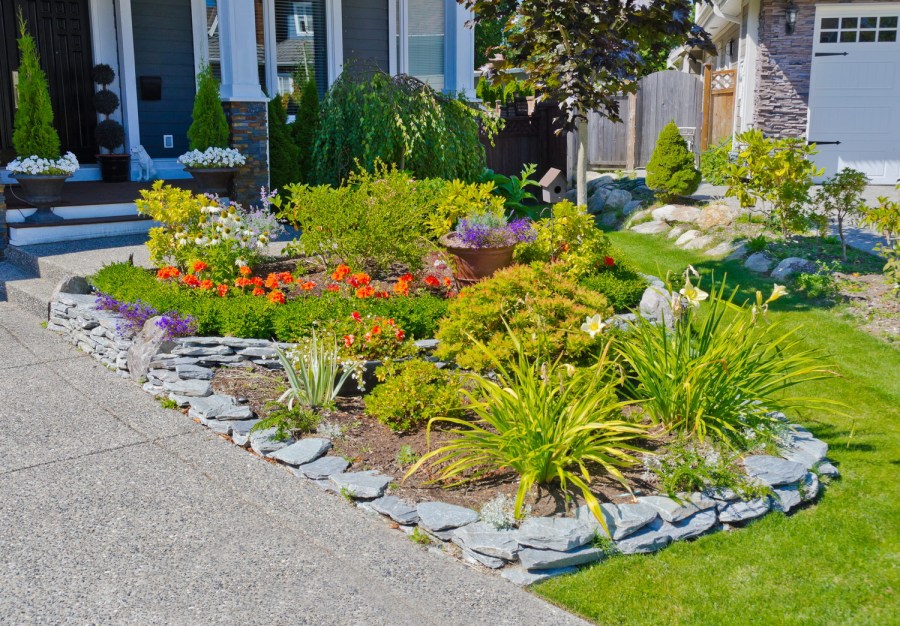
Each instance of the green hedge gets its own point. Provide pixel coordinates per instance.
(255, 317)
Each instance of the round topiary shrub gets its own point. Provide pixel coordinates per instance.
(103, 74)
(671, 171)
(109, 134)
(106, 102)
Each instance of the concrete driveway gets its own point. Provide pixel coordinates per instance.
(114, 510)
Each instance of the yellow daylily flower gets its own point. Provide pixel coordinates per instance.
(593, 325)
(692, 294)
(777, 292)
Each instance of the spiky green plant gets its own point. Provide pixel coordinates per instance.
(314, 373)
(33, 134)
(546, 421)
(209, 128)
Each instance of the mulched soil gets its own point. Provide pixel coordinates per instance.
(871, 302)
(370, 445)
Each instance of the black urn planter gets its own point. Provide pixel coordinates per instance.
(115, 168)
(350, 388)
(43, 192)
(215, 180)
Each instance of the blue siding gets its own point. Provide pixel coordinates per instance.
(163, 46)
(365, 31)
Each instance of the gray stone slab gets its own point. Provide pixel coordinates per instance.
(481, 559)
(366, 485)
(621, 519)
(240, 431)
(191, 388)
(804, 449)
(258, 351)
(323, 468)
(649, 539)
(828, 470)
(670, 510)
(303, 451)
(534, 559)
(555, 533)
(522, 577)
(485, 539)
(439, 516)
(398, 510)
(809, 487)
(202, 351)
(693, 526)
(773, 470)
(786, 498)
(264, 442)
(742, 511)
(221, 407)
(193, 372)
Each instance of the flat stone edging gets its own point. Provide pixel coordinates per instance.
(540, 548)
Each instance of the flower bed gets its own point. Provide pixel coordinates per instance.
(36, 166)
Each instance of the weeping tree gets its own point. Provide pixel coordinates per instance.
(582, 54)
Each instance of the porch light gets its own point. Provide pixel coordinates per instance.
(790, 17)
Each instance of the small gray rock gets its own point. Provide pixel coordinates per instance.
(439, 516)
(792, 266)
(739, 253)
(398, 510)
(741, 510)
(694, 526)
(426, 345)
(481, 559)
(240, 431)
(485, 539)
(670, 510)
(699, 243)
(555, 533)
(534, 559)
(787, 498)
(650, 538)
(191, 388)
(773, 470)
(144, 348)
(323, 468)
(656, 303)
(651, 228)
(621, 519)
(686, 237)
(809, 487)
(221, 407)
(77, 285)
(365, 485)
(522, 577)
(303, 451)
(828, 470)
(759, 262)
(193, 372)
(221, 428)
(264, 443)
(720, 250)
(676, 232)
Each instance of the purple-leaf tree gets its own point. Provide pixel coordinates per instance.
(582, 53)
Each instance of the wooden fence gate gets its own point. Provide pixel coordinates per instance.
(528, 139)
(718, 105)
(661, 97)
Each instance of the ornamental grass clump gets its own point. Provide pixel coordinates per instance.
(315, 372)
(721, 372)
(551, 423)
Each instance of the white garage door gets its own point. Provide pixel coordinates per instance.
(854, 98)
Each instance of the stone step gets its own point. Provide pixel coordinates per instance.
(29, 293)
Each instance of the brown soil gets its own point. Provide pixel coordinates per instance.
(370, 445)
(872, 304)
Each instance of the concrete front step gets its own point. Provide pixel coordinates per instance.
(23, 289)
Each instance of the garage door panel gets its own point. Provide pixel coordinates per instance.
(841, 120)
(875, 165)
(843, 75)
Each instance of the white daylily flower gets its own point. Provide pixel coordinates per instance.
(692, 294)
(593, 325)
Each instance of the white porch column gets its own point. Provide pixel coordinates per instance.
(237, 42)
(460, 51)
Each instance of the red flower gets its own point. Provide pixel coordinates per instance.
(365, 292)
(431, 281)
(276, 297)
(608, 261)
(333, 288)
(360, 279)
(390, 321)
(446, 281)
(356, 316)
(242, 282)
(339, 273)
(206, 284)
(406, 278)
(256, 281)
(286, 277)
(382, 294)
(223, 290)
(259, 291)
(309, 286)
(199, 266)
(190, 280)
(401, 335)
(348, 340)
(376, 329)
(245, 270)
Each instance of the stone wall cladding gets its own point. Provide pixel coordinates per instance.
(248, 122)
(540, 548)
(4, 235)
(783, 70)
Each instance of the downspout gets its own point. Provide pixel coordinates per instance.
(734, 19)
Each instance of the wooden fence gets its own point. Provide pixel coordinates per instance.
(528, 139)
(718, 105)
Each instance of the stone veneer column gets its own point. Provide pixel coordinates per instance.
(250, 135)
(4, 236)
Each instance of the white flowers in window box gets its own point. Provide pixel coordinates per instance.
(35, 166)
(212, 158)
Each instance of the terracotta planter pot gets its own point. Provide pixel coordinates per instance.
(115, 168)
(214, 179)
(42, 192)
(475, 264)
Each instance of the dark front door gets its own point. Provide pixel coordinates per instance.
(62, 31)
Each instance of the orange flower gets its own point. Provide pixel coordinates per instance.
(401, 335)
(356, 316)
(259, 291)
(286, 277)
(360, 279)
(199, 266)
(365, 292)
(431, 281)
(406, 278)
(391, 321)
(168, 272)
(242, 282)
(401, 288)
(223, 290)
(245, 270)
(376, 329)
(206, 284)
(271, 281)
(276, 297)
(446, 281)
(309, 286)
(333, 288)
(190, 280)
(256, 281)
(348, 340)
(339, 273)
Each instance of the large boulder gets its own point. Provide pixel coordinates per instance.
(759, 262)
(617, 199)
(686, 237)
(715, 216)
(631, 207)
(597, 201)
(792, 266)
(656, 304)
(147, 344)
(699, 243)
(676, 213)
(651, 228)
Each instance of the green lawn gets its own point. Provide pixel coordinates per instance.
(832, 563)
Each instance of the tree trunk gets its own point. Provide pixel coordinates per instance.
(581, 167)
(840, 225)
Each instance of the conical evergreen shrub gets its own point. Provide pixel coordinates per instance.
(209, 128)
(671, 171)
(305, 127)
(284, 155)
(33, 134)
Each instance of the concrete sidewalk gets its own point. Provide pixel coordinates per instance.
(114, 510)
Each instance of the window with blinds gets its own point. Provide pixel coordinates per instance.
(300, 47)
(212, 39)
(425, 41)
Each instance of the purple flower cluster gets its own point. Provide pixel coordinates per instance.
(135, 314)
(476, 234)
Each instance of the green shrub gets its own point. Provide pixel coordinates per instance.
(412, 392)
(284, 155)
(818, 284)
(368, 117)
(33, 131)
(373, 222)
(622, 285)
(719, 374)
(288, 422)
(841, 196)
(542, 422)
(671, 172)
(209, 128)
(714, 163)
(539, 302)
(305, 127)
(757, 244)
(885, 218)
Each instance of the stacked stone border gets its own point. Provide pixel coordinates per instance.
(540, 548)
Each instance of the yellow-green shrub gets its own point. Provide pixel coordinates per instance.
(412, 392)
